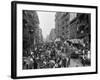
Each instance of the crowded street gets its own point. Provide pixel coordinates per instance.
(56, 55)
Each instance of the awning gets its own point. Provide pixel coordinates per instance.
(58, 39)
(77, 41)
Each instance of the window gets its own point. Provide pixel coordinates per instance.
(62, 27)
(63, 33)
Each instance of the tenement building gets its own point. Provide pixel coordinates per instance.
(80, 28)
(62, 22)
(30, 30)
(61, 25)
(70, 25)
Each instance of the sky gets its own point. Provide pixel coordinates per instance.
(47, 22)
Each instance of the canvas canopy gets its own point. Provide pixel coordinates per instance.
(58, 39)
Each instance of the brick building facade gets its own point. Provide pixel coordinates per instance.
(61, 25)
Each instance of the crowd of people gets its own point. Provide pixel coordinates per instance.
(55, 55)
